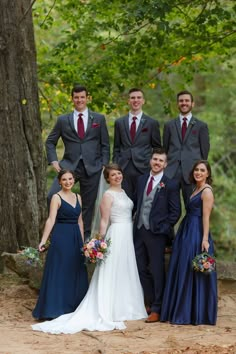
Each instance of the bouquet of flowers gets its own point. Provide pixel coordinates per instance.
(204, 263)
(32, 256)
(96, 250)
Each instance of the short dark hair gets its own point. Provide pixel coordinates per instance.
(108, 168)
(209, 179)
(135, 89)
(159, 151)
(184, 92)
(64, 171)
(78, 88)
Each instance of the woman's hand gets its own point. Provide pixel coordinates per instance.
(205, 245)
(41, 247)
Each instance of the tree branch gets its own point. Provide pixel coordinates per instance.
(50, 10)
(26, 12)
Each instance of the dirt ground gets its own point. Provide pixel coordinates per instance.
(16, 336)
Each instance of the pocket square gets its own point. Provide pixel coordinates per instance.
(144, 130)
(95, 125)
(194, 132)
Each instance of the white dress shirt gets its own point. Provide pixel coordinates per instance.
(188, 116)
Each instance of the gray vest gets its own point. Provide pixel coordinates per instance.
(146, 208)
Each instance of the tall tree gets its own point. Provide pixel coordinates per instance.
(22, 188)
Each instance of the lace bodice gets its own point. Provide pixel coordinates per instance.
(121, 210)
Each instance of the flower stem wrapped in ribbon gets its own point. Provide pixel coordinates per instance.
(204, 263)
(96, 250)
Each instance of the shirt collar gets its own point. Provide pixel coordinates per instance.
(131, 115)
(188, 116)
(85, 112)
(157, 177)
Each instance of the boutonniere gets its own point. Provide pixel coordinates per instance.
(144, 130)
(142, 120)
(91, 117)
(192, 122)
(95, 125)
(160, 186)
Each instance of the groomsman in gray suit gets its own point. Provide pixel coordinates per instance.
(86, 150)
(186, 140)
(135, 136)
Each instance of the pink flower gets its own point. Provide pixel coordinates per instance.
(103, 245)
(100, 255)
(90, 244)
(206, 265)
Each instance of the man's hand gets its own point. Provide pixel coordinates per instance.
(56, 166)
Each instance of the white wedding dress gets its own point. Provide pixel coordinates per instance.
(115, 294)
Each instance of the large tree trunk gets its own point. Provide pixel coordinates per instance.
(22, 161)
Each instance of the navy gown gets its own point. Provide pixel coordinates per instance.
(65, 281)
(190, 297)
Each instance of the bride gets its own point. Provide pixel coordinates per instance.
(115, 294)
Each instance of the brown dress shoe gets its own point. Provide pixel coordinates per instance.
(153, 317)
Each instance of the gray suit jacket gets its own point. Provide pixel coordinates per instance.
(94, 148)
(147, 137)
(185, 153)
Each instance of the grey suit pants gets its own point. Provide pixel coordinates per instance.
(186, 188)
(131, 174)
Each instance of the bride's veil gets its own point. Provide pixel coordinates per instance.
(103, 186)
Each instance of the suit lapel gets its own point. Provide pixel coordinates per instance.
(164, 181)
(90, 120)
(126, 124)
(142, 188)
(141, 125)
(178, 128)
(190, 126)
(71, 123)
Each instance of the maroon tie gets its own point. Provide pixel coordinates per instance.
(184, 127)
(150, 184)
(133, 129)
(80, 126)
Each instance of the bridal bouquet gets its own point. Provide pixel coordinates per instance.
(204, 263)
(96, 250)
(31, 255)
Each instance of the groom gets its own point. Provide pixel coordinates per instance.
(158, 209)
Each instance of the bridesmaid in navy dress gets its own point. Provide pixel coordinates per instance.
(191, 297)
(65, 280)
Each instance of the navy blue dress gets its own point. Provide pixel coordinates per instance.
(190, 297)
(65, 280)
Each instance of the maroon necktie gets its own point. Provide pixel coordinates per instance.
(80, 126)
(184, 127)
(150, 185)
(133, 129)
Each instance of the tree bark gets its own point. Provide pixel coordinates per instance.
(22, 161)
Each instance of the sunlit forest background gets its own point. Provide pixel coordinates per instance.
(160, 46)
